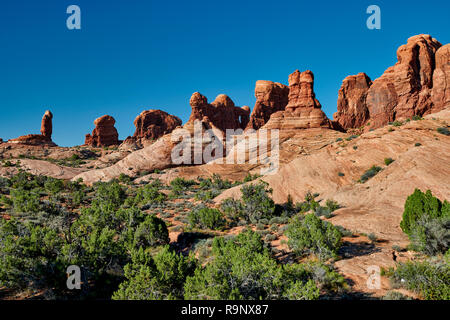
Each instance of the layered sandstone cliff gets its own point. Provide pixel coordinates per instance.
(416, 85)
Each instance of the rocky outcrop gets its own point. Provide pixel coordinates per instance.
(151, 125)
(352, 110)
(221, 113)
(270, 98)
(46, 124)
(43, 139)
(303, 110)
(441, 79)
(416, 85)
(104, 134)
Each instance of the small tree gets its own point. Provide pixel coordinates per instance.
(309, 234)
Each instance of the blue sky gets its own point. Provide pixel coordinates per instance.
(135, 55)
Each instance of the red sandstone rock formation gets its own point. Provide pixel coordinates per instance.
(151, 125)
(441, 79)
(352, 110)
(303, 109)
(46, 125)
(221, 114)
(416, 85)
(45, 138)
(270, 98)
(104, 134)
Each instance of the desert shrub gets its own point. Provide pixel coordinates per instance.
(146, 195)
(309, 234)
(340, 174)
(155, 278)
(255, 204)
(242, 268)
(206, 218)
(372, 237)
(429, 279)
(29, 256)
(339, 139)
(431, 236)
(25, 201)
(395, 295)
(151, 232)
(370, 173)
(419, 204)
(332, 205)
(180, 185)
(417, 144)
(250, 177)
(323, 211)
(388, 161)
(444, 131)
(124, 178)
(397, 123)
(416, 118)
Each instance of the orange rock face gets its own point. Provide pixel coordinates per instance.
(221, 113)
(153, 124)
(46, 124)
(416, 85)
(352, 110)
(303, 110)
(270, 98)
(104, 134)
(441, 79)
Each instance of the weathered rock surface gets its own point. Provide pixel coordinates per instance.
(352, 110)
(416, 85)
(221, 114)
(151, 125)
(441, 79)
(104, 134)
(270, 98)
(43, 139)
(303, 110)
(46, 125)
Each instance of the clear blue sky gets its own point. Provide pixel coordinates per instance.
(136, 55)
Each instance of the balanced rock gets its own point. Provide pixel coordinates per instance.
(104, 134)
(221, 113)
(352, 110)
(270, 98)
(151, 125)
(303, 110)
